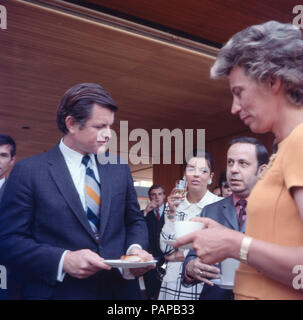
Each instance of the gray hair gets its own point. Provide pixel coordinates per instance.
(272, 49)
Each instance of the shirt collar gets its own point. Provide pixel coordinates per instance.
(73, 157)
(236, 199)
(186, 204)
(161, 209)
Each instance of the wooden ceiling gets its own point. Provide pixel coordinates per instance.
(158, 81)
(213, 21)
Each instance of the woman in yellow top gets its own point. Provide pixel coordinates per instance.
(264, 65)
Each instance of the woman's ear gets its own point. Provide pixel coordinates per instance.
(275, 84)
(210, 180)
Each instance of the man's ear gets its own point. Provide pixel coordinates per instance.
(13, 159)
(261, 169)
(70, 124)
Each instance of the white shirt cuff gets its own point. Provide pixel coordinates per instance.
(133, 245)
(61, 274)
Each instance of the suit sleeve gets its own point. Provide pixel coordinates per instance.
(18, 247)
(136, 229)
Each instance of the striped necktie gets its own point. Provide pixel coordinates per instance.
(92, 197)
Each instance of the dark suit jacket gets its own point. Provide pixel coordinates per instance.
(152, 283)
(43, 216)
(224, 212)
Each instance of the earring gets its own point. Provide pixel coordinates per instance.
(209, 181)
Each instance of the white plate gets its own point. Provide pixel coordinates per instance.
(125, 264)
(171, 243)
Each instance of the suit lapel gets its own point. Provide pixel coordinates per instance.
(105, 182)
(229, 212)
(62, 177)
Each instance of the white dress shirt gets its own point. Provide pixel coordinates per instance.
(2, 182)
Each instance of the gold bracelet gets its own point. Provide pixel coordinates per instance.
(244, 249)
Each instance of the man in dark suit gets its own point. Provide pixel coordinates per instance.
(7, 158)
(64, 212)
(246, 159)
(154, 217)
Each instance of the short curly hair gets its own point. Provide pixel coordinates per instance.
(272, 49)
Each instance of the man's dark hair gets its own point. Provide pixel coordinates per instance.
(155, 186)
(78, 102)
(5, 139)
(261, 151)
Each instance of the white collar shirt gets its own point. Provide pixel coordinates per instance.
(77, 169)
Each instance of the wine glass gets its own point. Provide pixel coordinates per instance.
(180, 190)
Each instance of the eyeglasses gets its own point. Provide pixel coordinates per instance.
(193, 169)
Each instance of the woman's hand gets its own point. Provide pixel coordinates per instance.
(174, 200)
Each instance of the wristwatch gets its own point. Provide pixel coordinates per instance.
(244, 249)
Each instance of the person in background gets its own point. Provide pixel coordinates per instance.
(7, 159)
(154, 217)
(246, 159)
(263, 64)
(64, 212)
(224, 186)
(198, 173)
(217, 191)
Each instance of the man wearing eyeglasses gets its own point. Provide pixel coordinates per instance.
(246, 159)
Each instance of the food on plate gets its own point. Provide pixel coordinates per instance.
(133, 258)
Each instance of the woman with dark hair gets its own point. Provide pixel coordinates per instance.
(198, 174)
(264, 65)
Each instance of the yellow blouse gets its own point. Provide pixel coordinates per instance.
(272, 216)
